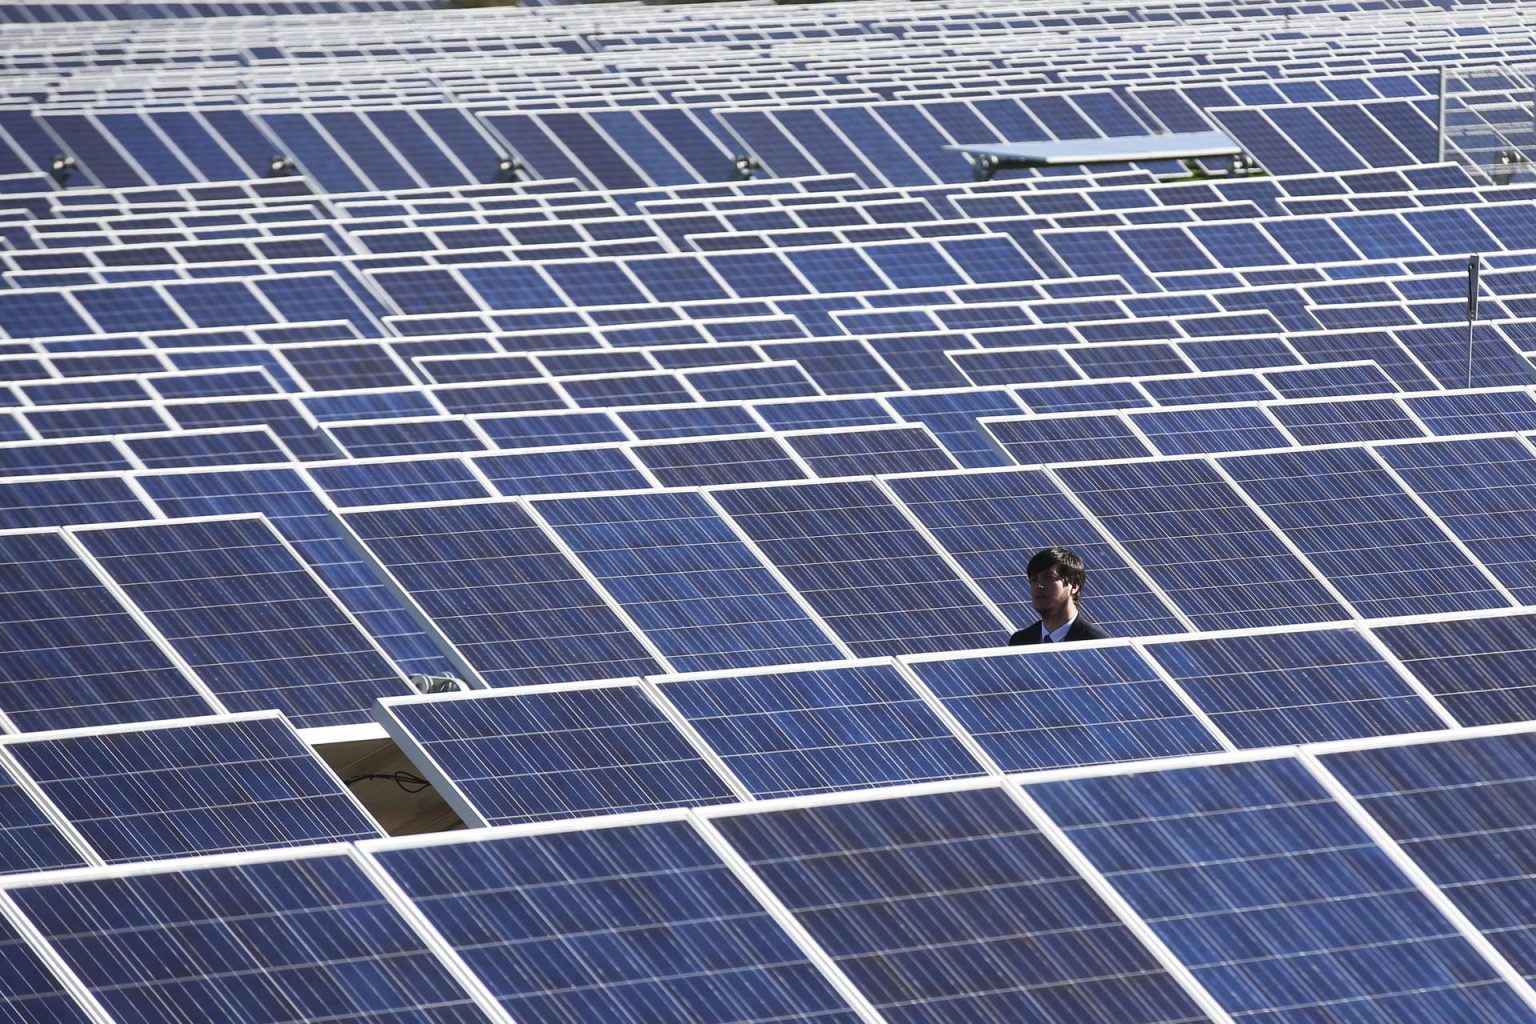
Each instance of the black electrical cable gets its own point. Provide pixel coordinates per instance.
(404, 779)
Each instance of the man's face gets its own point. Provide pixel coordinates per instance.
(1049, 592)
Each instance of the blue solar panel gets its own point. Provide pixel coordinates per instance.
(820, 730)
(533, 430)
(695, 589)
(1479, 668)
(870, 452)
(299, 513)
(705, 462)
(533, 619)
(73, 655)
(1077, 437)
(952, 416)
(219, 786)
(355, 484)
(616, 924)
(563, 471)
(67, 501)
(247, 616)
(1458, 808)
(1201, 543)
(954, 907)
(992, 522)
(1063, 706)
(1274, 897)
(307, 938)
(1281, 689)
(381, 439)
(1209, 430)
(28, 989)
(870, 575)
(1363, 533)
(547, 754)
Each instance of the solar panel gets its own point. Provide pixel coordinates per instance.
(1363, 533)
(1076, 437)
(247, 616)
(816, 730)
(1283, 689)
(219, 785)
(1456, 808)
(954, 906)
(687, 579)
(1212, 429)
(641, 922)
(501, 594)
(29, 989)
(1476, 667)
(356, 484)
(1274, 896)
(870, 451)
(307, 937)
(991, 522)
(872, 577)
(1063, 705)
(541, 754)
(1198, 540)
(704, 462)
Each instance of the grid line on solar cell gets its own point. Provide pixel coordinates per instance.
(1275, 896)
(642, 922)
(306, 937)
(544, 753)
(1477, 667)
(953, 906)
(31, 988)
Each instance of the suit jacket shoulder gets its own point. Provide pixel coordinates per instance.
(1082, 629)
(1027, 635)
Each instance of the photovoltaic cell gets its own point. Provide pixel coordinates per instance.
(502, 593)
(821, 730)
(1274, 897)
(1201, 543)
(1482, 670)
(1061, 706)
(894, 449)
(248, 618)
(356, 484)
(218, 786)
(641, 923)
(563, 471)
(310, 938)
(543, 755)
(1458, 808)
(1364, 534)
(953, 907)
(1281, 689)
(873, 578)
(688, 581)
(992, 522)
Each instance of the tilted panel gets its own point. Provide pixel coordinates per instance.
(688, 580)
(533, 756)
(1065, 705)
(869, 574)
(498, 589)
(247, 616)
(637, 923)
(822, 729)
(1275, 897)
(953, 907)
(177, 790)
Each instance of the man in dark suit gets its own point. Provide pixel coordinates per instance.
(1056, 578)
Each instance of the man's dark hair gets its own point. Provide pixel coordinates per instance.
(1066, 563)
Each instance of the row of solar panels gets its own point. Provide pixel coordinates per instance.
(304, 609)
(1371, 879)
(52, 11)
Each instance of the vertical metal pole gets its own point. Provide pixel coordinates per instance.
(1474, 267)
(1440, 122)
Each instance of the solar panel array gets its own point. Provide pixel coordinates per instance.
(663, 376)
